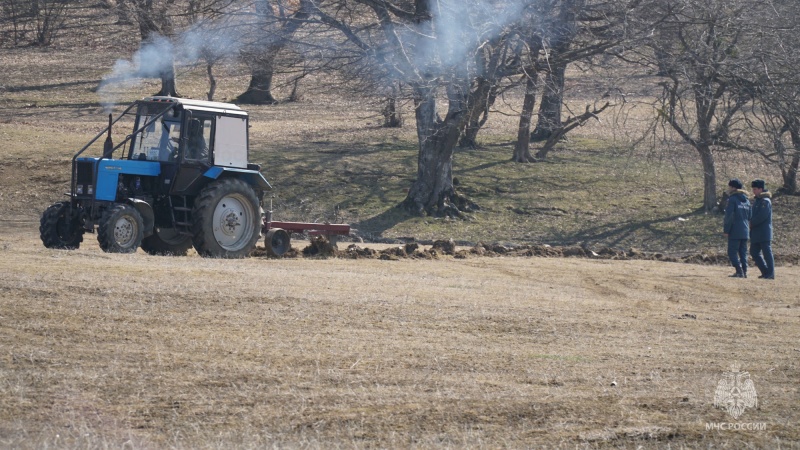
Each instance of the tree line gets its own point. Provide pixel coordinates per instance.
(725, 70)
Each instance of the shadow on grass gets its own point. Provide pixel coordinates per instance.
(375, 226)
(44, 87)
(37, 111)
(617, 234)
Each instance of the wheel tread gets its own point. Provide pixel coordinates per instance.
(48, 229)
(106, 241)
(204, 206)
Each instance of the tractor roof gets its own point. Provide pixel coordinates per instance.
(204, 105)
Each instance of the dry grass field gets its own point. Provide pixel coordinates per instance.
(134, 351)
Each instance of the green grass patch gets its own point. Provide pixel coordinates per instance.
(582, 194)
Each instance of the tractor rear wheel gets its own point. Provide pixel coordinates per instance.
(60, 229)
(167, 241)
(225, 219)
(120, 230)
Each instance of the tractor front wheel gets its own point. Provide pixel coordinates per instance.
(167, 241)
(120, 230)
(60, 229)
(225, 219)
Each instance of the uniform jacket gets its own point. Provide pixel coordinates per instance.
(737, 216)
(761, 221)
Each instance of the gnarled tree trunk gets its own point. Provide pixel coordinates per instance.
(487, 93)
(154, 22)
(277, 29)
(433, 191)
(391, 115)
(259, 91)
(789, 172)
(552, 101)
(522, 151)
(168, 87)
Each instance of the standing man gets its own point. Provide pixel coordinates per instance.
(761, 230)
(737, 227)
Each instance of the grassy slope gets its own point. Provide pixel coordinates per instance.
(329, 160)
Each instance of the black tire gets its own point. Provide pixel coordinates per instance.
(59, 229)
(277, 242)
(167, 241)
(120, 230)
(226, 222)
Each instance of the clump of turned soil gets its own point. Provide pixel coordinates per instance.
(319, 246)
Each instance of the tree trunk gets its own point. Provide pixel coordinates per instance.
(569, 125)
(433, 191)
(259, 92)
(391, 116)
(470, 137)
(709, 178)
(123, 10)
(705, 105)
(550, 107)
(522, 151)
(295, 95)
(790, 173)
(478, 115)
(168, 85)
(790, 177)
(663, 47)
(212, 82)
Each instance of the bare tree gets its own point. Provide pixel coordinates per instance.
(778, 89)
(706, 67)
(276, 23)
(154, 19)
(436, 49)
(567, 31)
(44, 18)
(522, 152)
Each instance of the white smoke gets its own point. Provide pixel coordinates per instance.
(457, 30)
(159, 54)
(150, 61)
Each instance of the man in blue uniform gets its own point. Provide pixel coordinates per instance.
(761, 230)
(737, 227)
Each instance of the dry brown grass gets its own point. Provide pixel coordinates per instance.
(137, 351)
(134, 351)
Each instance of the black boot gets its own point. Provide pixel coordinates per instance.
(744, 271)
(739, 273)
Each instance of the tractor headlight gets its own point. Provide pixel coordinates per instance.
(90, 189)
(79, 190)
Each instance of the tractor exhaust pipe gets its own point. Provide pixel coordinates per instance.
(108, 147)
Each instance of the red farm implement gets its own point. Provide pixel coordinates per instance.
(277, 238)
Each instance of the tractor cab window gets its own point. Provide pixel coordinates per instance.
(198, 139)
(158, 142)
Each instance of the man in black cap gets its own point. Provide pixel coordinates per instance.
(761, 230)
(737, 227)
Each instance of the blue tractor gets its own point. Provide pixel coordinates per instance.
(181, 179)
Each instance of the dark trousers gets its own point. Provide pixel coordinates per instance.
(766, 263)
(737, 252)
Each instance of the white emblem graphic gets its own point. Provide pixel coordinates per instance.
(735, 392)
